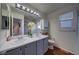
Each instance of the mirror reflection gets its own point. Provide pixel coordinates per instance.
(16, 27)
(29, 26)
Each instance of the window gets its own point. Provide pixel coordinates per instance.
(66, 21)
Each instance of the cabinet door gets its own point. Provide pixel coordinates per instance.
(40, 47)
(45, 44)
(16, 51)
(25, 50)
(30, 49)
(22, 49)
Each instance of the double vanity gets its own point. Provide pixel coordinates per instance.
(26, 46)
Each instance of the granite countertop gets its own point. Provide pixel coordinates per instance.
(8, 45)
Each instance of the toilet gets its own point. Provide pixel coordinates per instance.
(51, 43)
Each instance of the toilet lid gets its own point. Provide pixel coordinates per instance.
(51, 41)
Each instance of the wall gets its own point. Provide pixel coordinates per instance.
(65, 40)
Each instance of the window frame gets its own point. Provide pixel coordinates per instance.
(74, 22)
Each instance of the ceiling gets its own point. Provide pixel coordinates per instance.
(48, 7)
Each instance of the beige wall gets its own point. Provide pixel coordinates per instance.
(65, 40)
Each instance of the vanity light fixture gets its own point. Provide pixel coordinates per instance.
(18, 5)
(28, 9)
(35, 13)
(23, 7)
(39, 27)
(31, 11)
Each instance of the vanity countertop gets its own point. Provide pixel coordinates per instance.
(20, 42)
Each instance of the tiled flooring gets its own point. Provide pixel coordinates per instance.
(57, 51)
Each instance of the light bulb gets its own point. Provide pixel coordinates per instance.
(23, 7)
(28, 9)
(35, 13)
(39, 27)
(31, 11)
(18, 5)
